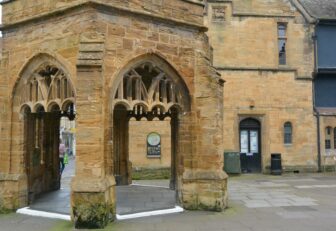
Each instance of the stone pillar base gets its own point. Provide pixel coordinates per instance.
(204, 190)
(13, 191)
(93, 202)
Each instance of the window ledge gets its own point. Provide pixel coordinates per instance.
(154, 157)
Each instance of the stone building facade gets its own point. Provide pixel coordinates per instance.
(139, 156)
(268, 92)
(278, 93)
(105, 62)
(117, 67)
(323, 16)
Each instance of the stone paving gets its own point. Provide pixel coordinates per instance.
(136, 198)
(266, 194)
(58, 201)
(256, 203)
(141, 197)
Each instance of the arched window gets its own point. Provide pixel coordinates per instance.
(328, 138)
(288, 133)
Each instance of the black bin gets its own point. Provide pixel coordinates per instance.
(118, 179)
(276, 166)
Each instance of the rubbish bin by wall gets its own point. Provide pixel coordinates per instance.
(276, 166)
(232, 162)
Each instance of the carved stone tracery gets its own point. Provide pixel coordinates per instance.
(147, 88)
(48, 86)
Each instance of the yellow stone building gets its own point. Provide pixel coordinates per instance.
(264, 51)
(102, 63)
(268, 97)
(131, 71)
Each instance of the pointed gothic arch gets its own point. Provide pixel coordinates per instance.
(43, 80)
(39, 96)
(147, 87)
(150, 81)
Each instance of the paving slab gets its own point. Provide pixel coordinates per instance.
(311, 209)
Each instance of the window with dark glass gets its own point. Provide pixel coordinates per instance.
(282, 40)
(327, 138)
(334, 138)
(288, 133)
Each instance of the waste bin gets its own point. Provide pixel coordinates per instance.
(118, 179)
(232, 162)
(276, 166)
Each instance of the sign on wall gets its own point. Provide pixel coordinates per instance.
(244, 141)
(254, 141)
(153, 145)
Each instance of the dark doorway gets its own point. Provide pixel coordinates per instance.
(250, 145)
(44, 131)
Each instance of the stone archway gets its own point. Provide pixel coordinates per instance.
(43, 94)
(149, 88)
(250, 145)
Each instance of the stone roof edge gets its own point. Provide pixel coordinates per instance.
(300, 7)
(196, 2)
(252, 14)
(94, 3)
(5, 1)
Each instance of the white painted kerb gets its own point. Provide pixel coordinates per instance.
(36, 213)
(177, 209)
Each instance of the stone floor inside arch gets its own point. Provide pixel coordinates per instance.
(141, 196)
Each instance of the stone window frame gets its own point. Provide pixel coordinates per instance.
(288, 133)
(282, 38)
(327, 139)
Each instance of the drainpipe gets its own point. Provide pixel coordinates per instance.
(316, 112)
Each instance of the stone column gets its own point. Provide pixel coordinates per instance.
(92, 198)
(13, 180)
(204, 183)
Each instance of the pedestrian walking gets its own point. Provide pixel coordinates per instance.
(62, 150)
